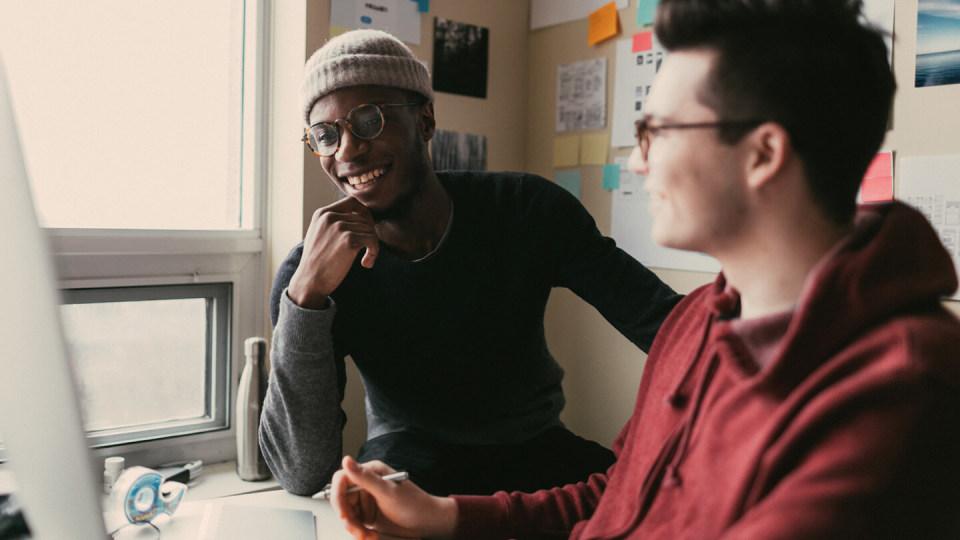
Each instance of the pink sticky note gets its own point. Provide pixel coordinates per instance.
(642, 41)
(877, 185)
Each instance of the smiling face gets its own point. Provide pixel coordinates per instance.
(385, 173)
(695, 181)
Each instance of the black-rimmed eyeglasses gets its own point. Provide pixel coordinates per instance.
(364, 121)
(645, 132)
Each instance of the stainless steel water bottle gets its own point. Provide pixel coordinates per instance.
(250, 393)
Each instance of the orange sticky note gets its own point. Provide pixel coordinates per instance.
(604, 24)
(877, 185)
(642, 42)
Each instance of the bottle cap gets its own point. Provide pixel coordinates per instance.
(114, 465)
(254, 346)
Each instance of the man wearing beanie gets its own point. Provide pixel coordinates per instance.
(435, 284)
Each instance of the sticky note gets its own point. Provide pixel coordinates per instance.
(603, 24)
(570, 181)
(593, 148)
(611, 176)
(642, 42)
(337, 30)
(423, 6)
(646, 12)
(566, 151)
(877, 185)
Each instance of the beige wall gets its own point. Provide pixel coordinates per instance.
(501, 117)
(603, 368)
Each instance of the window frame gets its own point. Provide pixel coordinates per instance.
(216, 362)
(122, 258)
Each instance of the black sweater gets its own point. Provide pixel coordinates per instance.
(454, 345)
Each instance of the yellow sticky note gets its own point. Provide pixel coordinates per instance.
(603, 24)
(593, 149)
(566, 151)
(337, 30)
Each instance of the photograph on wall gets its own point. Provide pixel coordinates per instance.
(938, 43)
(460, 58)
(453, 151)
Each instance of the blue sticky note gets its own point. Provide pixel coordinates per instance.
(423, 6)
(611, 176)
(570, 181)
(646, 11)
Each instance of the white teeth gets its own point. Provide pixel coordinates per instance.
(365, 177)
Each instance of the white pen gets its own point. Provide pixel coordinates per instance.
(392, 477)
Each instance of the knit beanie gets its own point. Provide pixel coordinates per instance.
(361, 57)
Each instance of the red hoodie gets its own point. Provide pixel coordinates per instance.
(838, 419)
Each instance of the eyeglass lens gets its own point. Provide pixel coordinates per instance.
(365, 122)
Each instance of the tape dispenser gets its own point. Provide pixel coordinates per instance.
(140, 495)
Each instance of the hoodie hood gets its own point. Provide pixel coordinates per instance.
(893, 262)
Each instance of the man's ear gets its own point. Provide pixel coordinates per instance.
(768, 150)
(426, 122)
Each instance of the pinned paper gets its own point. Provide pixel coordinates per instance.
(642, 42)
(877, 185)
(604, 24)
(566, 151)
(611, 176)
(646, 11)
(593, 149)
(570, 181)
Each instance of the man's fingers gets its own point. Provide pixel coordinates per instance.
(349, 205)
(370, 256)
(349, 217)
(377, 466)
(367, 476)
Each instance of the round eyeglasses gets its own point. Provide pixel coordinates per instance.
(364, 121)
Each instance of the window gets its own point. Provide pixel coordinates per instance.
(149, 361)
(141, 125)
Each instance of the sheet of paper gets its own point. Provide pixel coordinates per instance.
(550, 12)
(611, 176)
(570, 180)
(646, 12)
(593, 148)
(642, 41)
(582, 95)
(603, 24)
(398, 17)
(877, 185)
(634, 73)
(631, 223)
(932, 185)
(566, 151)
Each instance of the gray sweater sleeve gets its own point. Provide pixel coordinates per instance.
(301, 425)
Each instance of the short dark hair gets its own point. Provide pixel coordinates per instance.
(811, 66)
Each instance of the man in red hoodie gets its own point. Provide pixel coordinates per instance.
(811, 391)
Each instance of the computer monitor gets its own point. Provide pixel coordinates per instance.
(40, 421)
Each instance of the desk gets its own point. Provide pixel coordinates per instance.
(219, 483)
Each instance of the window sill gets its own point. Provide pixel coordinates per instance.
(217, 480)
(221, 480)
